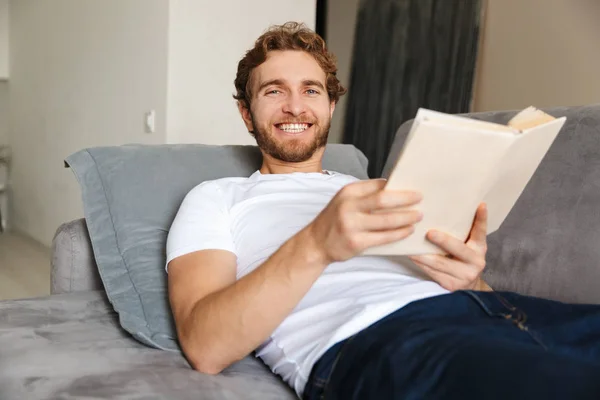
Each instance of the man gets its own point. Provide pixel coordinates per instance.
(271, 263)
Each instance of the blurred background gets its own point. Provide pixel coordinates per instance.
(85, 73)
(456, 56)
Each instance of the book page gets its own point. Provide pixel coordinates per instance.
(451, 166)
(529, 118)
(457, 165)
(451, 120)
(458, 120)
(517, 168)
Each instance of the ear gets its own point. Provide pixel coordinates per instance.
(331, 109)
(245, 113)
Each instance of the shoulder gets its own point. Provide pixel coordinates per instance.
(218, 188)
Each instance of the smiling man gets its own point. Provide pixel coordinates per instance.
(291, 112)
(270, 263)
(288, 129)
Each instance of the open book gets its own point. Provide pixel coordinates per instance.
(457, 163)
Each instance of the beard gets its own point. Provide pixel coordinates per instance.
(292, 150)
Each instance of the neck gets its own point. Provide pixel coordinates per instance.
(271, 165)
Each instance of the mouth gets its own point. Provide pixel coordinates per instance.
(293, 129)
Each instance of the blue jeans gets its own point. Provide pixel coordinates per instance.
(468, 345)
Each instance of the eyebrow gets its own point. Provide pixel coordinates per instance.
(280, 82)
(309, 82)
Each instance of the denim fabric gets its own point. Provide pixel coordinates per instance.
(468, 345)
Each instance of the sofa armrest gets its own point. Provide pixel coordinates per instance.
(73, 266)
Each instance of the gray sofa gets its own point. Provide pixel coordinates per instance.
(70, 345)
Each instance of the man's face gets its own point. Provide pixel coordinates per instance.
(290, 111)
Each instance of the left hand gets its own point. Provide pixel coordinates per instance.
(463, 267)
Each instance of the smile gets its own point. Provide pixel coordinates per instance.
(293, 128)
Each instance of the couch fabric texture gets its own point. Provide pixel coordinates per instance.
(70, 346)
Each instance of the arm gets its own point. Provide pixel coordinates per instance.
(220, 320)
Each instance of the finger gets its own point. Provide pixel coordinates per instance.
(379, 238)
(388, 199)
(363, 188)
(389, 220)
(446, 281)
(458, 270)
(478, 232)
(454, 247)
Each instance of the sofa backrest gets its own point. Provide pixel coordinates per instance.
(548, 246)
(73, 267)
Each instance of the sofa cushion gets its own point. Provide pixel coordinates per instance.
(70, 346)
(548, 246)
(131, 195)
(73, 265)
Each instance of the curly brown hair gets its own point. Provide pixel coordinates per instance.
(289, 36)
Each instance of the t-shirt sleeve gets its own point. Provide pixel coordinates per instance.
(202, 222)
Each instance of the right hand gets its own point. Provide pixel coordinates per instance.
(363, 215)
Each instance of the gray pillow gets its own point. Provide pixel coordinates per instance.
(131, 195)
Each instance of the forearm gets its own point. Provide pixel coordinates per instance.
(229, 324)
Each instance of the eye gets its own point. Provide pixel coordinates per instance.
(312, 91)
(273, 91)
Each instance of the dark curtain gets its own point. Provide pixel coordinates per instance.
(408, 54)
(321, 21)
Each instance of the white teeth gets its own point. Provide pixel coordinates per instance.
(293, 128)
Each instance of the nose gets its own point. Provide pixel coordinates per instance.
(294, 105)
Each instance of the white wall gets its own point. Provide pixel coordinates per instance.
(539, 52)
(3, 71)
(206, 41)
(82, 74)
(3, 39)
(339, 31)
(3, 112)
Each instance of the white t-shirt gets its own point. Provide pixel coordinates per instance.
(252, 217)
